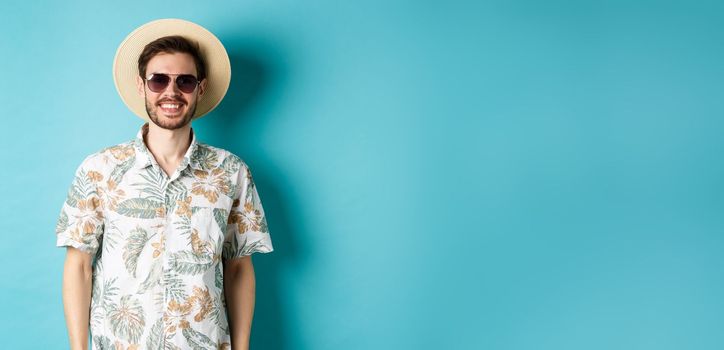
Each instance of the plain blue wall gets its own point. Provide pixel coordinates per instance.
(450, 175)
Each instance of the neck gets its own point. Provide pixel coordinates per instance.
(167, 146)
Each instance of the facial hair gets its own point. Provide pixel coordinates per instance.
(153, 115)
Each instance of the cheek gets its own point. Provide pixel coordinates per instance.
(191, 101)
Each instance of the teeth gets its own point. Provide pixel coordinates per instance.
(165, 105)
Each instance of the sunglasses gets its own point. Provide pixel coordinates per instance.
(157, 82)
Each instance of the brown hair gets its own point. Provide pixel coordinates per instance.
(171, 44)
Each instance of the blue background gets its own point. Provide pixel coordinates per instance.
(436, 175)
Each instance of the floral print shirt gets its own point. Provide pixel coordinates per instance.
(159, 242)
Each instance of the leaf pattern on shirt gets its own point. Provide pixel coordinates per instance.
(190, 263)
(152, 184)
(199, 246)
(152, 279)
(247, 219)
(197, 339)
(121, 152)
(211, 184)
(154, 339)
(103, 295)
(184, 207)
(220, 216)
(120, 170)
(175, 315)
(139, 208)
(176, 289)
(111, 194)
(134, 247)
(103, 342)
(206, 157)
(127, 318)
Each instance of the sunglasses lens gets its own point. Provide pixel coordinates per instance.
(186, 83)
(158, 82)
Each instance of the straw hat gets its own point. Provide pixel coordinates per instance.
(125, 63)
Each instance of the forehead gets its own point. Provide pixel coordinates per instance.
(171, 63)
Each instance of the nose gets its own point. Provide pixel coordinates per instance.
(172, 87)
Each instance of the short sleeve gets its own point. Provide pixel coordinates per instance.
(80, 223)
(247, 231)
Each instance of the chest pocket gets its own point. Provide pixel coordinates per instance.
(207, 227)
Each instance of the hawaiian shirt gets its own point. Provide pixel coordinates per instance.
(158, 242)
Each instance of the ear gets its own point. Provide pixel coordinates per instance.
(139, 85)
(202, 87)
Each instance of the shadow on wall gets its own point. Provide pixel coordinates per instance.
(251, 79)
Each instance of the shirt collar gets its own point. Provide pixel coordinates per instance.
(144, 158)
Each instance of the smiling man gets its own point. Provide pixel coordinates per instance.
(160, 229)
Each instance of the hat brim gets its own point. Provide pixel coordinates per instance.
(125, 63)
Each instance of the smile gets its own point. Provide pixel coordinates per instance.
(170, 108)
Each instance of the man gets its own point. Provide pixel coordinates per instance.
(160, 228)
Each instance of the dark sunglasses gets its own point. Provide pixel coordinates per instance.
(157, 82)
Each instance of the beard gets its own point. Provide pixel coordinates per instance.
(169, 123)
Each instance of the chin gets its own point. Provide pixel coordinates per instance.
(170, 123)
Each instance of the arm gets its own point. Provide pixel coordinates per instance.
(77, 281)
(239, 290)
